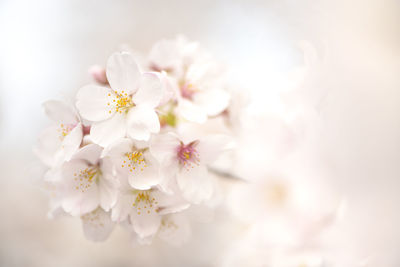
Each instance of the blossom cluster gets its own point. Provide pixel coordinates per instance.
(125, 152)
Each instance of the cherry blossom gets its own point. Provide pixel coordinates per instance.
(187, 162)
(88, 182)
(125, 109)
(58, 142)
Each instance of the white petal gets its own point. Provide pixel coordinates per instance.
(144, 178)
(92, 103)
(170, 203)
(97, 225)
(164, 147)
(48, 143)
(175, 229)
(89, 153)
(212, 146)
(106, 132)
(108, 185)
(150, 91)
(145, 224)
(191, 112)
(122, 207)
(59, 111)
(123, 73)
(213, 101)
(142, 120)
(76, 202)
(71, 143)
(195, 183)
(165, 55)
(118, 148)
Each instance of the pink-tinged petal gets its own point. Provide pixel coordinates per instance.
(212, 146)
(106, 132)
(48, 143)
(97, 225)
(170, 203)
(195, 183)
(92, 103)
(144, 177)
(108, 185)
(78, 200)
(123, 206)
(118, 148)
(191, 112)
(71, 143)
(213, 101)
(60, 112)
(165, 55)
(90, 153)
(150, 92)
(123, 73)
(164, 147)
(145, 224)
(98, 73)
(175, 229)
(142, 121)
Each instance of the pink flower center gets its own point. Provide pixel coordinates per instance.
(188, 156)
(187, 90)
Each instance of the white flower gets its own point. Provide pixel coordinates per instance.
(144, 209)
(125, 109)
(187, 161)
(197, 79)
(174, 229)
(132, 160)
(97, 225)
(58, 142)
(88, 182)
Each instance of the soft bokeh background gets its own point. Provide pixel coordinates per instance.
(350, 105)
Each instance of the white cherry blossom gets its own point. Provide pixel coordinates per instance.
(125, 109)
(197, 78)
(187, 161)
(132, 160)
(88, 182)
(97, 225)
(144, 209)
(58, 142)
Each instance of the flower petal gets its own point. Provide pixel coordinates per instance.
(92, 102)
(59, 111)
(195, 183)
(71, 143)
(212, 146)
(175, 229)
(142, 120)
(213, 101)
(76, 202)
(191, 112)
(108, 185)
(89, 153)
(106, 132)
(122, 207)
(144, 178)
(164, 147)
(97, 225)
(145, 224)
(150, 91)
(123, 73)
(48, 144)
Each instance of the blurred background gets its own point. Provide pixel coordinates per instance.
(321, 76)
